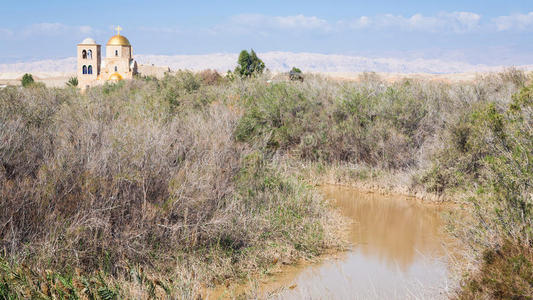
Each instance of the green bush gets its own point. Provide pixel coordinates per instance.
(379, 129)
(508, 181)
(27, 80)
(296, 74)
(73, 81)
(489, 150)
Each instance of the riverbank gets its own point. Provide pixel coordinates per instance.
(372, 180)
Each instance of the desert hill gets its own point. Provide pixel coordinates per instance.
(54, 72)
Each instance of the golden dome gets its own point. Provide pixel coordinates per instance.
(115, 77)
(118, 40)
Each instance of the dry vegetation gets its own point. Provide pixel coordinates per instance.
(158, 188)
(147, 176)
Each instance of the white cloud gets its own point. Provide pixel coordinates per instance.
(458, 22)
(45, 28)
(56, 29)
(297, 22)
(301, 21)
(466, 20)
(359, 23)
(514, 22)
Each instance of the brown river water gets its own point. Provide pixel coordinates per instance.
(398, 251)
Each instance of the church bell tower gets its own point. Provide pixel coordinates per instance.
(89, 62)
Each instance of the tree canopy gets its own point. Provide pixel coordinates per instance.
(249, 64)
(27, 80)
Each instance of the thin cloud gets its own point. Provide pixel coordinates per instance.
(454, 22)
(514, 22)
(247, 22)
(457, 22)
(54, 29)
(300, 21)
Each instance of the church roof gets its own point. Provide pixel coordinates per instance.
(115, 77)
(88, 41)
(118, 40)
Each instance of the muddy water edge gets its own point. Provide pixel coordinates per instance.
(399, 250)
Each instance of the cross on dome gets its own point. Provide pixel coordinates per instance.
(118, 29)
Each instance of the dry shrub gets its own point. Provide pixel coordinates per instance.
(123, 176)
(515, 76)
(210, 77)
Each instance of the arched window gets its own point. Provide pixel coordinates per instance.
(116, 69)
(84, 70)
(90, 54)
(90, 70)
(116, 52)
(84, 54)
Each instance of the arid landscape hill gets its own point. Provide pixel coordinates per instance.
(54, 71)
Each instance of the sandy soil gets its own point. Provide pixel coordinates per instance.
(57, 79)
(392, 77)
(51, 79)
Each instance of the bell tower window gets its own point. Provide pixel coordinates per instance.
(90, 54)
(84, 54)
(90, 70)
(84, 70)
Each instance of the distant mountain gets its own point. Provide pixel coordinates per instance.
(65, 65)
(275, 61)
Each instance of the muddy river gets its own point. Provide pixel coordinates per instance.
(398, 251)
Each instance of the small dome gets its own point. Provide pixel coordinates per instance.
(118, 40)
(115, 77)
(88, 41)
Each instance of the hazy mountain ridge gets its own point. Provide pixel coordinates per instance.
(275, 61)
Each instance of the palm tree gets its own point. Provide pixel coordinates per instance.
(73, 81)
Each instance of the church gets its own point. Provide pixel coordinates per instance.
(117, 65)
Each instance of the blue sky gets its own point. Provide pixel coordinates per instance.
(489, 32)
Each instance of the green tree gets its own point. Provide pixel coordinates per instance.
(27, 80)
(73, 81)
(249, 64)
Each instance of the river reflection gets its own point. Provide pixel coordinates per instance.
(391, 229)
(398, 252)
